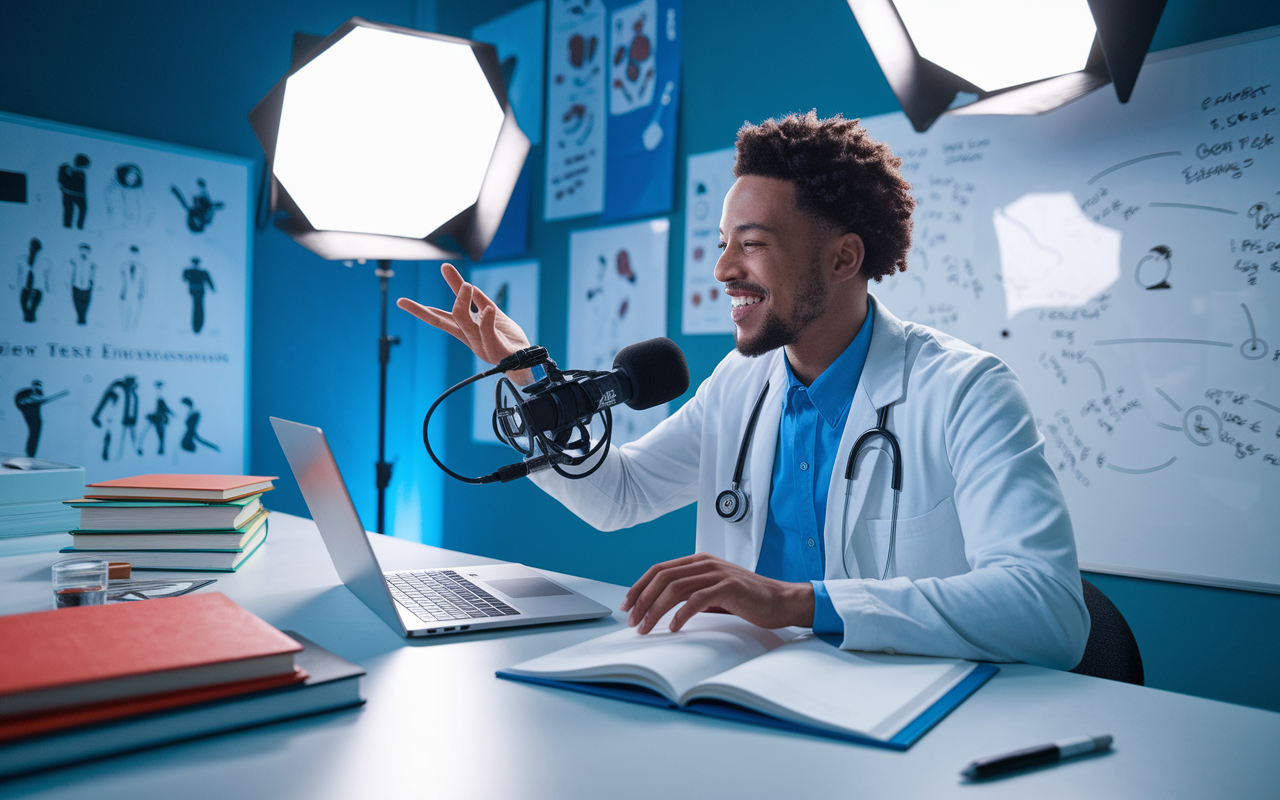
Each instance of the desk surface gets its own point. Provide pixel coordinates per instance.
(438, 722)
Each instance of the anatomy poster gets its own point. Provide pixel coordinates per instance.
(122, 302)
(576, 108)
(514, 287)
(617, 296)
(704, 306)
(644, 94)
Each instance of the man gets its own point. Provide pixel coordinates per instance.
(71, 181)
(83, 272)
(974, 558)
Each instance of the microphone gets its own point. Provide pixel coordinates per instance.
(645, 374)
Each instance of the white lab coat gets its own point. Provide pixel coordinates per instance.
(985, 565)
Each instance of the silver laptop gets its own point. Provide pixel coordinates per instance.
(422, 602)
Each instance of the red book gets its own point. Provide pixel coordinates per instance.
(205, 488)
(33, 724)
(95, 654)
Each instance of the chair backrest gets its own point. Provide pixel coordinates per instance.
(1111, 651)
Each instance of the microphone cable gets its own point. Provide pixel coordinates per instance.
(554, 453)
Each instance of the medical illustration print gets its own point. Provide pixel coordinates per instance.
(617, 297)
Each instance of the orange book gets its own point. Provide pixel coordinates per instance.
(95, 654)
(32, 724)
(205, 488)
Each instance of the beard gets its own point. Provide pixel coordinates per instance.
(777, 332)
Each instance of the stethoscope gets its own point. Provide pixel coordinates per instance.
(733, 504)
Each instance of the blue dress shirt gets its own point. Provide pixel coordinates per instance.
(813, 420)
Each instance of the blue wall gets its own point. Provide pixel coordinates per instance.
(188, 74)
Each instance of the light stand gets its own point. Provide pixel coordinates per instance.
(384, 358)
(348, 190)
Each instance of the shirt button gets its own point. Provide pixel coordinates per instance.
(890, 650)
(804, 465)
(811, 543)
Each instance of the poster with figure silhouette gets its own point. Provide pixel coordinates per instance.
(617, 297)
(122, 302)
(519, 37)
(514, 287)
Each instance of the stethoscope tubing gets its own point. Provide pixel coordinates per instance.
(881, 430)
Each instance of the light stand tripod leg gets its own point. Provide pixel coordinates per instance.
(383, 468)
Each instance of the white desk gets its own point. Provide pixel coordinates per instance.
(439, 724)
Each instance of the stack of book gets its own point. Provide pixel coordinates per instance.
(85, 682)
(173, 522)
(32, 491)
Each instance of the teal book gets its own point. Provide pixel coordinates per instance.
(723, 666)
(199, 560)
(139, 515)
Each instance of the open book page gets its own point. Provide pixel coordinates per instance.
(665, 662)
(810, 682)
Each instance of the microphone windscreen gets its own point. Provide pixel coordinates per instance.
(657, 369)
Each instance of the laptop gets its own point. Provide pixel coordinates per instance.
(424, 602)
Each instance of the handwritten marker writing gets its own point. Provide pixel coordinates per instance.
(1034, 756)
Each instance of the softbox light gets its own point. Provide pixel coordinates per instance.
(1009, 56)
(386, 142)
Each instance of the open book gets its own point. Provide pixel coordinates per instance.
(724, 666)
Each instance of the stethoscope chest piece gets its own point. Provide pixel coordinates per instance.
(732, 505)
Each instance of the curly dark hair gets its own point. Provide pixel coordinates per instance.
(841, 175)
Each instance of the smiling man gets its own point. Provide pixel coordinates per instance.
(974, 557)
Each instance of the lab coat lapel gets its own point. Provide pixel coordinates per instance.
(764, 447)
(882, 383)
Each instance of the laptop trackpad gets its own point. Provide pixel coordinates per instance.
(527, 587)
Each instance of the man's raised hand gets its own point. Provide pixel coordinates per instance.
(474, 320)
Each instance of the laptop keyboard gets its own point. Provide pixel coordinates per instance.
(444, 595)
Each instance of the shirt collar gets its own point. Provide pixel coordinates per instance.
(832, 392)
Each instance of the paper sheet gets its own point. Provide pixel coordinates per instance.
(514, 287)
(617, 297)
(704, 306)
(576, 101)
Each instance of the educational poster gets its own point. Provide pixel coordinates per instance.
(1124, 260)
(704, 306)
(514, 287)
(617, 297)
(644, 99)
(122, 302)
(576, 103)
(519, 37)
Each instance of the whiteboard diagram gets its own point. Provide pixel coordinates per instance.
(1125, 261)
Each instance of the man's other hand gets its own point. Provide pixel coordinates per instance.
(706, 583)
(474, 320)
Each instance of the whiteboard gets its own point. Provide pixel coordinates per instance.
(124, 279)
(1124, 260)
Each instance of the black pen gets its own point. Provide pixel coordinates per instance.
(1034, 756)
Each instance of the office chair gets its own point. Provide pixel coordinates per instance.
(1111, 651)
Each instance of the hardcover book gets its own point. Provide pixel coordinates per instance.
(723, 666)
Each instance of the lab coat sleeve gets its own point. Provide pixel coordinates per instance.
(641, 480)
(1022, 598)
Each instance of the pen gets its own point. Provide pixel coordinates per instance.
(1033, 756)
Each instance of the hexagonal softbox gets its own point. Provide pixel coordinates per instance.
(385, 140)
